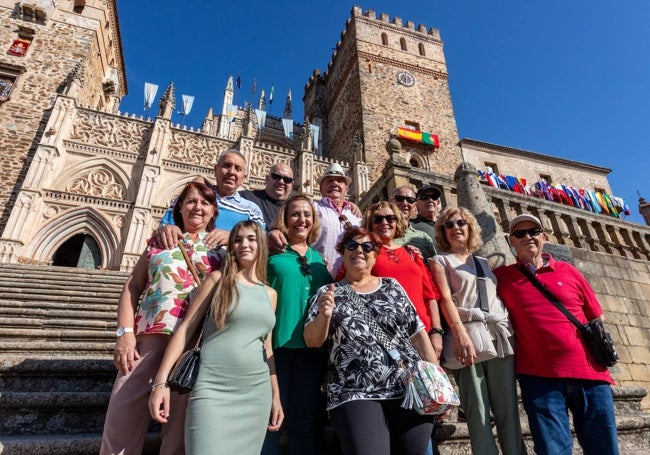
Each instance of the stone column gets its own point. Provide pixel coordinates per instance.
(472, 197)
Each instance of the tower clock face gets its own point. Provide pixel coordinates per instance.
(405, 78)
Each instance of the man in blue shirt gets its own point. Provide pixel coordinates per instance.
(230, 172)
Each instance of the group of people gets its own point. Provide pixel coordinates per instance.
(288, 294)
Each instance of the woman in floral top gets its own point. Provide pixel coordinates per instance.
(165, 283)
(364, 391)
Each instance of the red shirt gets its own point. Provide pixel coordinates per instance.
(412, 274)
(547, 344)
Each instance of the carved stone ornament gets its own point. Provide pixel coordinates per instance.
(259, 167)
(97, 183)
(93, 128)
(194, 149)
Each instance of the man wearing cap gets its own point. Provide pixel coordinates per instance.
(404, 198)
(428, 205)
(279, 184)
(555, 371)
(335, 212)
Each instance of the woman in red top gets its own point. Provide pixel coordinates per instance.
(405, 265)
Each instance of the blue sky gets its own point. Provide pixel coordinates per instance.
(564, 78)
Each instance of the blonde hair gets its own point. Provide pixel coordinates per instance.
(280, 222)
(401, 225)
(474, 241)
(226, 289)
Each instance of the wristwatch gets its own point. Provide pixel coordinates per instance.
(122, 330)
(436, 331)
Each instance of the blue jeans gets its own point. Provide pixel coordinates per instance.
(547, 402)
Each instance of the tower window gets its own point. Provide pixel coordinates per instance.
(8, 78)
(415, 126)
(491, 167)
(384, 39)
(402, 43)
(79, 6)
(421, 48)
(546, 177)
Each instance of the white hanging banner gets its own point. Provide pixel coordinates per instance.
(314, 129)
(261, 118)
(231, 112)
(150, 91)
(188, 100)
(288, 127)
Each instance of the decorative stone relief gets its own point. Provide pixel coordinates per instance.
(259, 167)
(96, 129)
(118, 221)
(50, 212)
(98, 183)
(194, 149)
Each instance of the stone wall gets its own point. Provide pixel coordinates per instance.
(623, 287)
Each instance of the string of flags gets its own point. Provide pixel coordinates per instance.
(593, 201)
(419, 136)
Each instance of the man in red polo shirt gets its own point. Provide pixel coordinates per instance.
(556, 373)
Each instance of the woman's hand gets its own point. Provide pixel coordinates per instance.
(277, 241)
(277, 415)
(464, 348)
(326, 302)
(436, 342)
(126, 353)
(159, 403)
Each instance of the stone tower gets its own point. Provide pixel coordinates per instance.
(69, 47)
(385, 75)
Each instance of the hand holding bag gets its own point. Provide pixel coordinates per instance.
(598, 342)
(183, 376)
(427, 387)
(475, 326)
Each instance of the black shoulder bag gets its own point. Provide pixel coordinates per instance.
(593, 333)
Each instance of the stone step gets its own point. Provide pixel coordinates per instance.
(61, 348)
(65, 444)
(46, 322)
(19, 310)
(41, 304)
(24, 295)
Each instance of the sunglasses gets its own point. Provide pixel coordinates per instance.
(346, 223)
(426, 197)
(305, 268)
(450, 224)
(352, 245)
(409, 199)
(378, 219)
(284, 178)
(520, 233)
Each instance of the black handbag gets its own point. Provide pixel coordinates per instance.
(598, 342)
(183, 376)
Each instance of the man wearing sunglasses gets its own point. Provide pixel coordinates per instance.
(279, 184)
(555, 371)
(428, 206)
(404, 198)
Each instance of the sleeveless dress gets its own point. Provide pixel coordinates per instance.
(230, 405)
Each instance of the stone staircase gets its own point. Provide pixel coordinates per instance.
(56, 371)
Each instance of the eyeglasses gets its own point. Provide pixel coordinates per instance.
(305, 268)
(378, 219)
(450, 224)
(346, 223)
(426, 197)
(520, 233)
(409, 199)
(284, 178)
(352, 245)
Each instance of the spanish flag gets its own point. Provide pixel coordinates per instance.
(419, 136)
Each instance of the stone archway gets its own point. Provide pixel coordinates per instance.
(81, 251)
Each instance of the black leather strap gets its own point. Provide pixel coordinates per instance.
(484, 303)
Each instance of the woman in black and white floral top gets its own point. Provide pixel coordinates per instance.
(364, 392)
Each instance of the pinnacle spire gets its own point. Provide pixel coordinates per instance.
(167, 102)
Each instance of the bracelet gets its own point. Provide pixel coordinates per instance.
(456, 323)
(162, 385)
(436, 331)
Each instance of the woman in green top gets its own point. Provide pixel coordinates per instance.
(296, 274)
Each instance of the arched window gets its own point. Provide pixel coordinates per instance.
(384, 39)
(79, 6)
(402, 43)
(414, 163)
(421, 48)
